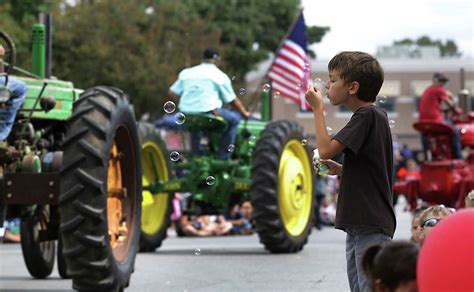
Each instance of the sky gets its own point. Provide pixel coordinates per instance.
(364, 25)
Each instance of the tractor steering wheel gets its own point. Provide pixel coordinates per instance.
(10, 51)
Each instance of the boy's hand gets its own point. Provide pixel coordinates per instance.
(334, 167)
(314, 97)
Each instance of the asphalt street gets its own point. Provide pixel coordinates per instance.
(231, 263)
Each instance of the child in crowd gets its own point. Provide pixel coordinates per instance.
(429, 218)
(391, 266)
(415, 225)
(364, 206)
(241, 218)
(469, 201)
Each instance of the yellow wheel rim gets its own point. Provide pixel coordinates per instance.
(295, 188)
(154, 207)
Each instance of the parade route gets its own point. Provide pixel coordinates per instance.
(232, 263)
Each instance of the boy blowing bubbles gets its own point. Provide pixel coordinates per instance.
(364, 205)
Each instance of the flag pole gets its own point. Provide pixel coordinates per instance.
(264, 78)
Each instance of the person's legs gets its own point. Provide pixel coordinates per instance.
(169, 122)
(8, 114)
(456, 144)
(351, 242)
(364, 240)
(196, 142)
(455, 140)
(319, 220)
(228, 136)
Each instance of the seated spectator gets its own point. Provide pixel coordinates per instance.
(446, 258)
(469, 201)
(11, 231)
(413, 172)
(241, 218)
(429, 218)
(391, 266)
(410, 172)
(328, 211)
(205, 225)
(415, 224)
(320, 195)
(406, 152)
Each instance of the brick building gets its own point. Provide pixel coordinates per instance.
(405, 81)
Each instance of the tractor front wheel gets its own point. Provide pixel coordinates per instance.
(156, 208)
(282, 188)
(38, 255)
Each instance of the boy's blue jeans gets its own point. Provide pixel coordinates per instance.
(8, 114)
(357, 241)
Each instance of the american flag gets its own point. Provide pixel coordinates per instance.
(290, 72)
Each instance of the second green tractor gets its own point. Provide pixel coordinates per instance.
(270, 166)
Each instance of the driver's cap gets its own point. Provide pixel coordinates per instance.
(211, 53)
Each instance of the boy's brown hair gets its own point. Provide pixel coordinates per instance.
(360, 67)
(434, 211)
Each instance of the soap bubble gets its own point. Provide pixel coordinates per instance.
(330, 131)
(391, 124)
(276, 94)
(382, 98)
(266, 87)
(210, 180)
(320, 85)
(231, 148)
(180, 118)
(174, 156)
(252, 140)
(242, 91)
(304, 142)
(169, 107)
(197, 251)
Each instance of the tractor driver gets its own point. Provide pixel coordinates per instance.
(205, 88)
(8, 112)
(431, 109)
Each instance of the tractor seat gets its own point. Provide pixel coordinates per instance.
(205, 122)
(431, 127)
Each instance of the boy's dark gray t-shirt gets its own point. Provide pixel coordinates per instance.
(365, 192)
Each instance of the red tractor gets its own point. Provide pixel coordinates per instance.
(443, 179)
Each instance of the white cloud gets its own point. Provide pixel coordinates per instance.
(365, 24)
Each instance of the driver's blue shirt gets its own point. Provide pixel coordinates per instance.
(202, 88)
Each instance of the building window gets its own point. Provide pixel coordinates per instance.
(344, 109)
(388, 105)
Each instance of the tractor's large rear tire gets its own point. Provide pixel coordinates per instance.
(282, 188)
(156, 208)
(100, 200)
(38, 255)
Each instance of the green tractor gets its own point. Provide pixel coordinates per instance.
(71, 168)
(270, 166)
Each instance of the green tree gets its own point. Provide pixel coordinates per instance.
(17, 18)
(251, 29)
(141, 45)
(142, 55)
(447, 48)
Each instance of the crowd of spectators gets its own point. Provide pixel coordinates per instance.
(432, 260)
(238, 221)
